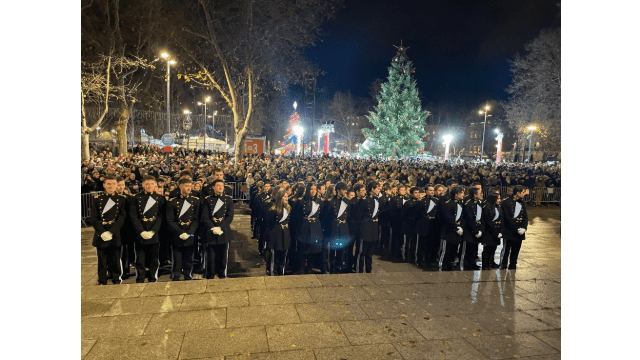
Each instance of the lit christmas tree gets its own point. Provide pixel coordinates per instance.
(398, 120)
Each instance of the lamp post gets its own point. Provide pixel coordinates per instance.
(187, 126)
(499, 150)
(169, 63)
(319, 135)
(204, 141)
(486, 109)
(213, 125)
(298, 130)
(447, 140)
(530, 136)
(98, 132)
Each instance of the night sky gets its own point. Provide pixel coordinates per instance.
(460, 49)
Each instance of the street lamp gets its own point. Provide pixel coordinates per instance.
(298, 130)
(530, 136)
(319, 135)
(169, 63)
(486, 109)
(98, 132)
(499, 150)
(447, 140)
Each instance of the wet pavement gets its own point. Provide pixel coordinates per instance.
(396, 312)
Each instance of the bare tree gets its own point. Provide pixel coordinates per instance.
(94, 81)
(346, 110)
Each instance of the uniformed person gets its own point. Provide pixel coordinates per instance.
(146, 214)
(336, 213)
(182, 220)
(107, 217)
(427, 245)
(127, 234)
(493, 224)
(278, 236)
(216, 217)
(408, 214)
(384, 247)
(395, 211)
(354, 220)
(368, 210)
(452, 228)
(516, 221)
(309, 233)
(473, 231)
(260, 208)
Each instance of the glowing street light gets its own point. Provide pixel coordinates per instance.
(298, 130)
(319, 135)
(499, 150)
(486, 109)
(169, 63)
(447, 139)
(530, 136)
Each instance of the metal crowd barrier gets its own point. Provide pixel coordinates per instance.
(87, 200)
(537, 195)
(240, 191)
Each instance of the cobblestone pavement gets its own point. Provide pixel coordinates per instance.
(396, 312)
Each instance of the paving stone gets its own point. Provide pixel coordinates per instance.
(463, 305)
(550, 337)
(549, 316)
(279, 296)
(175, 288)
(344, 279)
(458, 349)
(363, 352)
(539, 286)
(338, 294)
(391, 292)
(235, 284)
(85, 346)
(327, 311)
(214, 300)
(292, 281)
(220, 342)
(160, 346)
(390, 309)
(187, 320)
(446, 326)
(548, 300)
(394, 278)
(510, 346)
(95, 307)
(507, 303)
(306, 354)
(145, 305)
(114, 326)
(111, 291)
(379, 331)
(305, 336)
(261, 315)
(509, 322)
(439, 277)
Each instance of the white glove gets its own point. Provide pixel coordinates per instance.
(459, 230)
(500, 236)
(521, 231)
(479, 234)
(151, 233)
(106, 236)
(145, 235)
(184, 236)
(217, 230)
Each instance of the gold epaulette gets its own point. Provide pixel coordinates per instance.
(446, 202)
(97, 196)
(171, 199)
(195, 197)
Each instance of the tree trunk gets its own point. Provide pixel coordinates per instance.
(84, 144)
(239, 144)
(123, 121)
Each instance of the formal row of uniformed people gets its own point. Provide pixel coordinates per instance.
(146, 224)
(338, 229)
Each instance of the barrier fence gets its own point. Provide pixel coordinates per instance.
(87, 200)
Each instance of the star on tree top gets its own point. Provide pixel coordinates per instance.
(401, 54)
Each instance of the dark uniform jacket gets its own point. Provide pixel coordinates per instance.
(355, 218)
(110, 220)
(514, 219)
(146, 211)
(493, 225)
(452, 218)
(385, 219)
(277, 235)
(336, 225)
(369, 210)
(426, 215)
(409, 216)
(394, 210)
(309, 231)
(217, 211)
(187, 222)
(472, 210)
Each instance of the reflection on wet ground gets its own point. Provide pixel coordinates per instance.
(397, 311)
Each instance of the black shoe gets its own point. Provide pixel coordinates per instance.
(188, 278)
(117, 282)
(102, 283)
(153, 280)
(140, 281)
(175, 279)
(472, 267)
(495, 266)
(512, 267)
(222, 277)
(210, 277)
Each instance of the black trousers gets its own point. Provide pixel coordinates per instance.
(326, 257)
(397, 240)
(385, 240)
(276, 261)
(147, 254)
(411, 248)
(469, 253)
(181, 262)
(216, 260)
(109, 258)
(432, 249)
(364, 256)
(488, 254)
(510, 251)
(448, 251)
(422, 249)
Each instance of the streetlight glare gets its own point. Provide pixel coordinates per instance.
(295, 105)
(531, 128)
(187, 112)
(207, 99)
(447, 138)
(497, 131)
(298, 130)
(164, 55)
(480, 112)
(215, 112)
(199, 103)
(487, 107)
(172, 62)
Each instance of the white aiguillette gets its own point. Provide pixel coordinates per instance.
(108, 206)
(458, 211)
(218, 205)
(149, 204)
(431, 205)
(375, 209)
(343, 207)
(285, 213)
(478, 213)
(496, 216)
(184, 209)
(404, 201)
(517, 212)
(314, 208)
